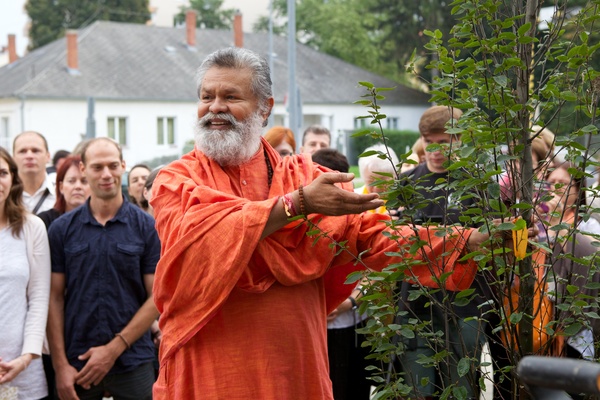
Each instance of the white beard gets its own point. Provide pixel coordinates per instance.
(234, 146)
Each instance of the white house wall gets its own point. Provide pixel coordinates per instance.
(141, 125)
(63, 122)
(9, 122)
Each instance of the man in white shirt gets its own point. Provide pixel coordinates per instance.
(30, 150)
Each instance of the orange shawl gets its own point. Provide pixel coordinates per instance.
(211, 244)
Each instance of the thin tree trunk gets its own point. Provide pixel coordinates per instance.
(528, 279)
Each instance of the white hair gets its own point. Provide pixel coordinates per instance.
(240, 58)
(234, 146)
(373, 163)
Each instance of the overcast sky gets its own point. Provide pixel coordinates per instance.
(13, 20)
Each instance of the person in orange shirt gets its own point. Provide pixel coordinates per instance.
(243, 291)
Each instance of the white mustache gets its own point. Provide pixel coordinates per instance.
(205, 120)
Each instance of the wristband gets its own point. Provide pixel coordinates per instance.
(353, 301)
(119, 335)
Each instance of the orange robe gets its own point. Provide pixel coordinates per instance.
(244, 318)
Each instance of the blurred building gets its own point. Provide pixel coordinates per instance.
(135, 83)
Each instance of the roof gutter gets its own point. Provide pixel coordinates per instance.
(22, 98)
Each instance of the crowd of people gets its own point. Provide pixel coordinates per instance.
(207, 259)
(77, 279)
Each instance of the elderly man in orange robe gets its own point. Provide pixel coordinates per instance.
(243, 292)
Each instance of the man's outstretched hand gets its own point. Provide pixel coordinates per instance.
(322, 196)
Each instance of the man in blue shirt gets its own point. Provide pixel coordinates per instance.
(104, 254)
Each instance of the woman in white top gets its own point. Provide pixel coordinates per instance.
(24, 290)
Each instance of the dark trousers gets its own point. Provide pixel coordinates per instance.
(49, 371)
(131, 385)
(347, 364)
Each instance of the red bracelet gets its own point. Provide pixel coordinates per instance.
(289, 206)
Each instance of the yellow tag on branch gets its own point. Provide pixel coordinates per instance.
(519, 235)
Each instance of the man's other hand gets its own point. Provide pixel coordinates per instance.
(99, 361)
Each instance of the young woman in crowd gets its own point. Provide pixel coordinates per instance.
(282, 140)
(136, 179)
(72, 190)
(24, 290)
(564, 211)
(147, 193)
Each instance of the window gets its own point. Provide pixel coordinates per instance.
(117, 129)
(392, 123)
(165, 130)
(360, 123)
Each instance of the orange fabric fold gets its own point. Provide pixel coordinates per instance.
(246, 318)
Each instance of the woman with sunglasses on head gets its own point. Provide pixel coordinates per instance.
(571, 279)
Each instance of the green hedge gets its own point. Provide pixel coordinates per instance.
(399, 141)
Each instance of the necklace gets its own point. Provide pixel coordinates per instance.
(269, 167)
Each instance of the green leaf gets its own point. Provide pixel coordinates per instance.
(494, 190)
(362, 132)
(506, 226)
(459, 164)
(414, 294)
(368, 85)
(407, 333)
(369, 153)
(568, 95)
(592, 285)
(515, 318)
(354, 277)
(524, 29)
(520, 224)
(463, 367)
(497, 205)
(501, 80)
(573, 329)
(465, 293)
(572, 289)
(589, 129)
(526, 39)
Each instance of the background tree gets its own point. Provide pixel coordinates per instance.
(50, 18)
(571, 114)
(342, 28)
(210, 14)
(378, 35)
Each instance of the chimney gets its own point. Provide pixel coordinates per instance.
(238, 33)
(72, 56)
(190, 28)
(12, 48)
